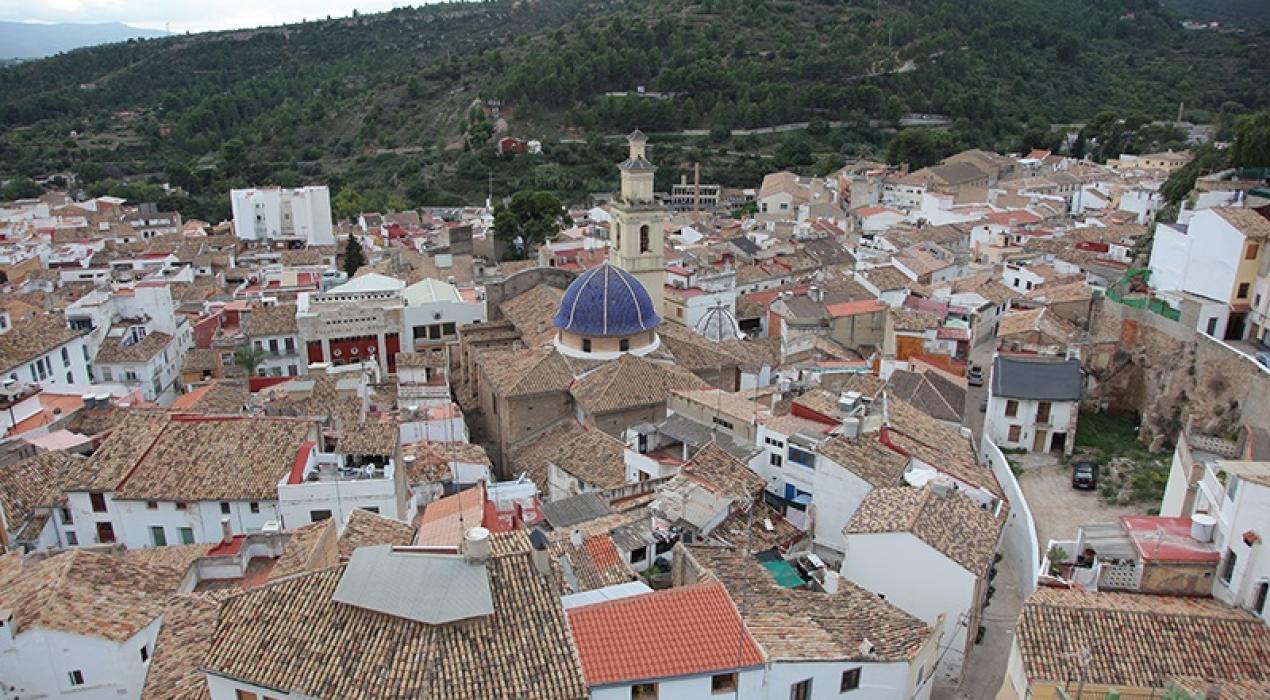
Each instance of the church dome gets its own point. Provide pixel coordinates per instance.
(719, 324)
(606, 301)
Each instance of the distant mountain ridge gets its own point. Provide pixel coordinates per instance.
(25, 40)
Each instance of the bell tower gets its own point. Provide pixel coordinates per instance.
(638, 233)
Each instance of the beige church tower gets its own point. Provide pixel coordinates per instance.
(638, 231)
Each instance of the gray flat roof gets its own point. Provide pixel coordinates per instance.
(575, 509)
(1036, 379)
(429, 588)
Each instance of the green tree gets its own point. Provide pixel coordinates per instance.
(248, 357)
(1179, 184)
(22, 188)
(348, 202)
(921, 147)
(529, 219)
(354, 258)
(1252, 141)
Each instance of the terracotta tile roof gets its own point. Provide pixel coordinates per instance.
(681, 631)
(532, 313)
(866, 458)
(821, 401)
(184, 639)
(514, 373)
(278, 319)
(1037, 324)
(237, 459)
(293, 257)
(369, 438)
(432, 460)
(367, 529)
(952, 525)
(1061, 293)
(33, 338)
(888, 277)
(1226, 690)
(692, 351)
(33, 483)
(631, 382)
(83, 592)
(986, 286)
(913, 321)
(218, 398)
(727, 476)
(937, 444)
(869, 385)
(435, 357)
(592, 456)
(595, 564)
(446, 519)
(930, 392)
(751, 529)
(291, 635)
(174, 559)
(1139, 640)
(803, 625)
(200, 359)
(130, 434)
(113, 351)
(309, 548)
(1249, 222)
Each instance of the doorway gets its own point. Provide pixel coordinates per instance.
(1059, 443)
(1038, 444)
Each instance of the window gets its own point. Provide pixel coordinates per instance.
(1259, 604)
(1043, 412)
(644, 244)
(319, 515)
(850, 680)
(105, 533)
(145, 654)
(1251, 252)
(776, 460)
(723, 683)
(1011, 409)
(72, 540)
(152, 505)
(800, 690)
(371, 509)
(244, 695)
(638, 555)
(1016, 431)
(76, 677)
(1228, 568)
(67, 518)
(586, 345)
(186, 534)
(802, 457)
(181, 505)
(254, 507)
(644, 691)
(1212, 326)
(447, 329)
(1243, 291)
(99, 502)
(66, 357)
(157, 537)
(721, 423)
(624, 344)
(224, 507)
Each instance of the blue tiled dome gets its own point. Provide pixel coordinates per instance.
(606, 301)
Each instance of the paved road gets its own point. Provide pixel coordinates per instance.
(982, 356)
(986, 671)
(1058, 509)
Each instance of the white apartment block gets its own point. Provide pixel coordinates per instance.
(283, 215)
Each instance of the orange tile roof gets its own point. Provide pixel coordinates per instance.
(445, 520)
(676, 632)
(854, 308)
(602, 551)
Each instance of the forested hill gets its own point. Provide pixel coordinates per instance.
(311, 100)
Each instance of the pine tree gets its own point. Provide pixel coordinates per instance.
(353, 256)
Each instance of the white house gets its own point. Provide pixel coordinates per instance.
(148, 361)
(697, 625)
(433, 310)
(273, 330)
(284, 215)
(43, 350)
(946, 542)
(362, 473)
(1033, 403)
(50, 647)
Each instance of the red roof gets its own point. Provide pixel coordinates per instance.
(681, 631)
(1017, 217)
(855, 308)
(602, 550)
(1166, 539)
(301, 461)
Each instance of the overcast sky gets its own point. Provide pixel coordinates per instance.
(189, 15)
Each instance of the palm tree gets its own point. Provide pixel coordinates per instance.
(248, 357)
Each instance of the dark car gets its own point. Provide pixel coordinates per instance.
(1085, 476)
(975, 376)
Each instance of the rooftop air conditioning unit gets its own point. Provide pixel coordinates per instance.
(271, 527)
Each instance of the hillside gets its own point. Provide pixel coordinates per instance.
(382, 104)
(25, 40)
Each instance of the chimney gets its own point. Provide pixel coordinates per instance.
(476, 548)
(538, 552)
(226, 531)
(576, 537)
(832, 580)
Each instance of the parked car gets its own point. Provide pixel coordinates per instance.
(1263, 358)
(975, 376)
(983, 405)
(1085, 476)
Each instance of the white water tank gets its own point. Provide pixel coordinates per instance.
(1202, 527)
(477, 545)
